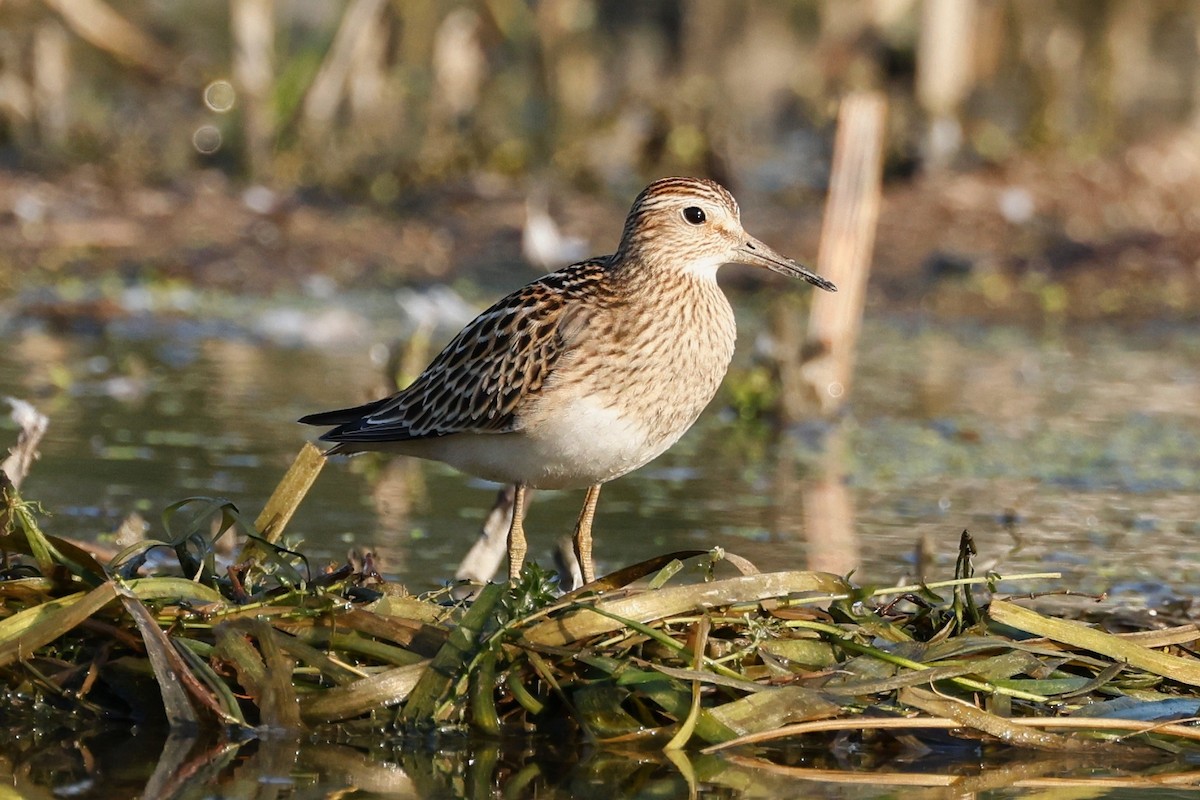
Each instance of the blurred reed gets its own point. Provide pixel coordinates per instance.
(370, 96)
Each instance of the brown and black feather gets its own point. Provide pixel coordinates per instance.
(478, 381)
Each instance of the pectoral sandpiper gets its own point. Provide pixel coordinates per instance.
(587, 373)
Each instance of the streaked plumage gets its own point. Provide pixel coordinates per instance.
(586, 373)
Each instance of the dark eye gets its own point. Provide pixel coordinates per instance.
(694, 215)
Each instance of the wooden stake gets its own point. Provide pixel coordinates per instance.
(847, 241)
(290, 491)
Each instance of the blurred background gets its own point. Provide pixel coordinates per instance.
(215, 217)
(1022, 136)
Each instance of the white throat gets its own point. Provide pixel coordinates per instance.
(705, 268)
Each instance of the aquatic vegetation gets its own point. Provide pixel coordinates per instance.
(712, 655)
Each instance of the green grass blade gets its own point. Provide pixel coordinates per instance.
(27, 630)
(1077, 634)
(452, 658)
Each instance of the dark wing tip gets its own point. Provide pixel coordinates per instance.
(343, 416)
(325, 418)
(349, 427)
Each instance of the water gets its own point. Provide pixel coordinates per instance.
(131, 766)
(1075, 450)
(1065, 449)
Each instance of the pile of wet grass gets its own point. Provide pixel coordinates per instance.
(690, 650)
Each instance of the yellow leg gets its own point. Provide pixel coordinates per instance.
(516, 534)
(583, 534)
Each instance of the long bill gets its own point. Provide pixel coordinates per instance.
(754, 252)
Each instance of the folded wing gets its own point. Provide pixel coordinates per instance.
(480, 379)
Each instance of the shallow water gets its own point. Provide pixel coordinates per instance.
(1069, 449)
(1073, 450)
(118, 766)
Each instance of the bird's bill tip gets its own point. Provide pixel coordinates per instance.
(758, 254)
(797, 271)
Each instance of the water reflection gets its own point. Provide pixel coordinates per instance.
(828, 519)
(184, 768)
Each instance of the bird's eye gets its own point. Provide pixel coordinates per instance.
(694, 215)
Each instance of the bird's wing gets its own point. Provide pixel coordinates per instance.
(478, 381)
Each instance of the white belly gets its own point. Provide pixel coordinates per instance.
(591, 444)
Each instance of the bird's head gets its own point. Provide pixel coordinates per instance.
(694, 224)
